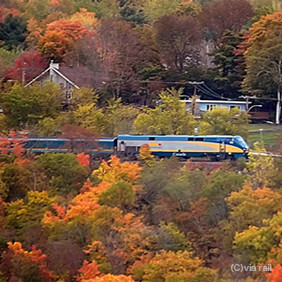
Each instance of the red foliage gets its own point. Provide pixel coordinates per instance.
(89, 270)
(275, 275)
(83, 159)
(27, 66)
(4, 12)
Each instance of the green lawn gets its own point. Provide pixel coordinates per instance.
(269, 134)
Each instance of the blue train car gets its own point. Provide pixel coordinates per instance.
(101, 146)
(215, 147)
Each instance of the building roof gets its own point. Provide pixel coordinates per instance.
(217, 101)
(76, 76)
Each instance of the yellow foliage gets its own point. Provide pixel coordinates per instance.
(114, 171)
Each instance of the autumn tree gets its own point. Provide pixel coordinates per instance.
(178, 38)
(86, 18)
(61, 37)
(27, 66)
(219, 16)
(263, 58)
(22, 214)
(18, 264)
(114, 170)
(169, 117)
(121, 52)
(5, 11)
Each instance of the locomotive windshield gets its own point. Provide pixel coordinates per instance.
(241, 142)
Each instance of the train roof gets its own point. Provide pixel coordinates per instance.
(177, 136)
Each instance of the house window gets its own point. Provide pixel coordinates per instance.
(210, 107)
(234, 107)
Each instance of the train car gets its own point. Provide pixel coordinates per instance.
(101, 147)
(164, 146)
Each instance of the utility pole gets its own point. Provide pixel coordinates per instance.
(247, 100)
(194, 97)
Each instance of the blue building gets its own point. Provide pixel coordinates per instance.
(202, 106)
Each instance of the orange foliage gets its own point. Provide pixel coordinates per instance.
(83, 159)
(145, 154)
(88, 271)
(54, 3)
(85, 203)
(49, 217)
(61, 37)
(12, 145)
(114, 171)
(275, 275)
(111, 278)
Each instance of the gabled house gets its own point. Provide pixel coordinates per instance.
(70, 77)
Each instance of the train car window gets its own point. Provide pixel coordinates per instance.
(151, 138)
(199, 139)
(190, 139)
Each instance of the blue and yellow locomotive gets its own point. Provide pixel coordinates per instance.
(164, 146)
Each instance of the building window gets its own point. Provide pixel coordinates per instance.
(235, 107)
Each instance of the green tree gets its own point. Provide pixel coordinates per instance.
(170, 238)
(175, 266)
(29, 212)
(222, 183)
(224, 121)
(262, 170)
(64, 172)
(119, 117)
(254, 244)
(90, 117)
(170, 117)
(121, 195)
(155, 9)
(227, 69)
(12, 32)
(264, 58)
(24, 106)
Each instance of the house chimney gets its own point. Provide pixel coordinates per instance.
(54, 65)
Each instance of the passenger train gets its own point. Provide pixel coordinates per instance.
(213, 147)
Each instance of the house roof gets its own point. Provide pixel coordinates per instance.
(217, 102)
(76, 76)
